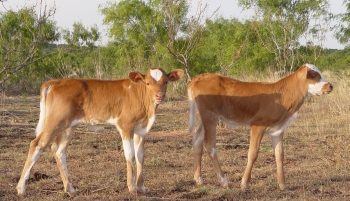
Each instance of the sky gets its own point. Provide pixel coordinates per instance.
(87, 12)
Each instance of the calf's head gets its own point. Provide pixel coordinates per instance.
(156, 81)
(317, 84)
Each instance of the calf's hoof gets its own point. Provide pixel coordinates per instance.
(283, 187)
(244, 187)
(199, 181)
(21, 192)
(141, 190)
(223, 182)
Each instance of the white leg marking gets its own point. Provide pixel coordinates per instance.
(129, 151)
(199, 136)
(139, 153)
(62, 157)
(223, 180)
(36, 154)
(21, 185)
(199, 181)
(213, 152)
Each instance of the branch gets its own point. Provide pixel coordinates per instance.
(19, 67)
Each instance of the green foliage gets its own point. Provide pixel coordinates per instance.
(335, 60)
(81, 36)
(343, 27)
(157, 33)
(24, 39)
(230, 47)
(280, 24)
(148, 32)
(130, 25)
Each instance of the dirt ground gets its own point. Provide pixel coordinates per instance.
(317, 158)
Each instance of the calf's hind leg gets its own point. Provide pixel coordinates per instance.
(59, 148)
(197, 153)
(210, 147)
(36, 147)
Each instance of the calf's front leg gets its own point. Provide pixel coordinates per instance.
(139, 155)
(129, 152)
(279, 154)
(256, 134)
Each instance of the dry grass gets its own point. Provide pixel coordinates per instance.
(317, 156)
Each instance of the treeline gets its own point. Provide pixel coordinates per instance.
(160, 33)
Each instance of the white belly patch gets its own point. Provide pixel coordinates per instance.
(94, 125)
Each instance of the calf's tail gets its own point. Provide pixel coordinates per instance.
(43, 92)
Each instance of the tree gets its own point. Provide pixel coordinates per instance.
(281, 24)
(182, 34)
(23, 35)
(80, 54)
(342, 29)
(133, 32)
(138, 27)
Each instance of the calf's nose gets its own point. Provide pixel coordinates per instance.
(160, 96)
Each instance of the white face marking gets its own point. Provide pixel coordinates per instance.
(156, 74)
(129, 152)
(316, 89)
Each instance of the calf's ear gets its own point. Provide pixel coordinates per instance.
(137, 77)
(175, 74)
(302, 72)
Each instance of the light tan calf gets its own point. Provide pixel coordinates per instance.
(265, 107)
(129, 104)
